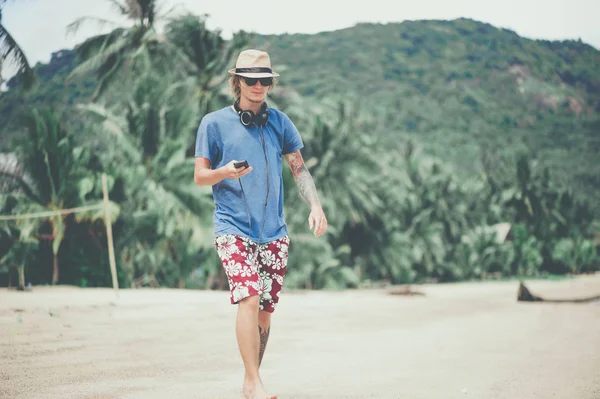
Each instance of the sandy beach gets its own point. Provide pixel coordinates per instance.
(465, 340)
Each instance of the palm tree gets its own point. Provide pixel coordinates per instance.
(20, 238)
(162, 207)
(131, 50)
(187, 51)
(54, 175)
(11, 52)
(553, 215)
(343, 159)
(209, 54)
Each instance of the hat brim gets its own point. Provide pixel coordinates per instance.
(254, 74)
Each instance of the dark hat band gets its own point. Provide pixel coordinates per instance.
(253, 70)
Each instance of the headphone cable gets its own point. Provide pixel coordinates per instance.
(262, 136)
(246, 203)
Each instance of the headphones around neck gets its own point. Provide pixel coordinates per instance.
(248, 117)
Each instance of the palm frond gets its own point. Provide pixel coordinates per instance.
(123, 9)
(91, 46)
(103, 56)
(10, 50)
(13, 178)
(74, 26)
(113, 124)
(99, 214)
(106, 78)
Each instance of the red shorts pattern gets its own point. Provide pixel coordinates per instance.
(254, 273)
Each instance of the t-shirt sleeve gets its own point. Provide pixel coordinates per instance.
(207, 145)
(292, 141)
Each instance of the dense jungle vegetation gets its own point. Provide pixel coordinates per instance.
(442, 151)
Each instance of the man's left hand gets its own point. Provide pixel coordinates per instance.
(317, 220)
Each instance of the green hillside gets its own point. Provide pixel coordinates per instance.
(460, 88)
(53, 91)
(484, 107)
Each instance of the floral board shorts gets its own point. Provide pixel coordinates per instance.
(254, 273)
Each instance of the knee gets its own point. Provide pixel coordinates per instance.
(250, 303)
(264, 320)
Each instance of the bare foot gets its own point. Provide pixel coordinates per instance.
(255, 390)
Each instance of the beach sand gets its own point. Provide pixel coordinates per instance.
(464, 340)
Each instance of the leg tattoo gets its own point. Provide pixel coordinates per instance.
(264, 337)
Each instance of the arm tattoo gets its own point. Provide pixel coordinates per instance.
(303, 178)
(264, 337)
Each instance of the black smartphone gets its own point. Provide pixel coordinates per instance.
(241, 164)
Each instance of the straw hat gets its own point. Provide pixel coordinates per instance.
(253, 64)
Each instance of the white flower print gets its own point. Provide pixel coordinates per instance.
(225, 251)
(264, 274)
(220, 240)
(246, 242)
(283, 250)
(250, 262)
(265, 286)
(233, 268)
(246, 271)
(225, 239)
(277, 264)
(268, 257)
(239, 292)
(226, 246)
(254, 284)
(278, 278)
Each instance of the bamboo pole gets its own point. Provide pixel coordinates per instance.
(111, 249)
(51, 213)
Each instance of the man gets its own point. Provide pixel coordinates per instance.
(251, 235)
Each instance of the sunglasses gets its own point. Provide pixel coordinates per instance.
(263, 81)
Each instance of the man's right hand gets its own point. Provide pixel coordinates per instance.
(230, 171)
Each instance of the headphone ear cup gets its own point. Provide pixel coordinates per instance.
(247, 118)
(264, 117)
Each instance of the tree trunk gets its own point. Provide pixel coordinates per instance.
(524, 295)
(55, 269)
(1, 80)
(21, 286)
(181, 283)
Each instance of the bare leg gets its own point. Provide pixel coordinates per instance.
(264, 327)
(249, 342)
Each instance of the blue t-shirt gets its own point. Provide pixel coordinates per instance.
(222, 138)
